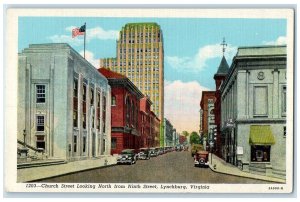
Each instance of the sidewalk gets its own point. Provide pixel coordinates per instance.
(36, 173)
(220, 166)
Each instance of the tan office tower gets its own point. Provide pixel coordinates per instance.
(140, 56)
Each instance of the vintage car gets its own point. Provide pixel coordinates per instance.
(127, 156)
(201, 159)
(159, 150)
(153, 152)
(195, 148)
(144, 154)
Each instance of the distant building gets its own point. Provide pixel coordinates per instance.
(155, 129)
(125, 109)
(140, 57)
(207, 118)
(63, 103)
(147, 140)
(168, 133)
(254, 110)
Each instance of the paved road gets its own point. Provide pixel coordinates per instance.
(174, 167)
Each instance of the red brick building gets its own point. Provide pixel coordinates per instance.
(154, 130)
(125, 110)
(219, 77)
(182, 139)
(207, 97)
(145, 105)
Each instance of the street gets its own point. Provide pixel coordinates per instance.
(173, 167)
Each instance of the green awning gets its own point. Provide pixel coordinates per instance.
(261, 135)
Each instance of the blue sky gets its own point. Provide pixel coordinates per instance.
(191, 46)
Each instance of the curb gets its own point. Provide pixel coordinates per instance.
(270, 180)
(68, 173)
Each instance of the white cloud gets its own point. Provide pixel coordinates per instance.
(198, 62)
(182, 104)
(66, 39)
(92, 33)
(89, 56)
(281, 40)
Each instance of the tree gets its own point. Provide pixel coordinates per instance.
(185, 134)
(194, 138)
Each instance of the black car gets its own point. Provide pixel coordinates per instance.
(144, 154)
(127, 156)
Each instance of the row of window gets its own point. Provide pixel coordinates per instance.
(139, 50)
(84, 100)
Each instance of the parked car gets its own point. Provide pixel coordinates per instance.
(144, 154)
(195, 148)
(127, 156)
(153, 152)
(178, 148)
(201, 159)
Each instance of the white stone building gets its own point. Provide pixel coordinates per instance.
(253, 110)
(63, 104)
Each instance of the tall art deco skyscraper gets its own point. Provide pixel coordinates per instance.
(140, 56)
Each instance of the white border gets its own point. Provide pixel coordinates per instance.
(10, 89)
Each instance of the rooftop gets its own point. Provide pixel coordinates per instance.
(223, 67)
(261, 50)
(111, 74)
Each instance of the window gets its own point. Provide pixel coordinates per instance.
(84, 144)
(84, 92)
(260, 153)
(284, 100)
(104, 113)
(40, 94)
(284, 131)
(75, 143)
(40, 125)
(113, 143)
(75, 118)
(92, 96)
(113, 100)
(75, 87)
(40, 142)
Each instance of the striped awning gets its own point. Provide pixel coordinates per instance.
(261, 135)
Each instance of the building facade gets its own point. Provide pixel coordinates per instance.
(63, 103)
(147, 140)
(219, 77)
(168, 133)
(125, 112)
(254, 111)
(154, 129)
(140, 56)
(207, 117)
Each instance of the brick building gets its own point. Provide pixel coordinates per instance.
(125, 109)
(145, 138)
(154, 129)
(207, 110)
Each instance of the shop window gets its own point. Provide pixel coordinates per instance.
(260, 153)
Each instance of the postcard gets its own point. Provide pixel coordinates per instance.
(149, 100)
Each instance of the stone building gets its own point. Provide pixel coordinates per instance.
(63, 104)
(254, 110)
